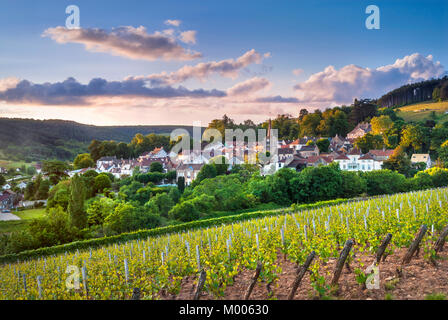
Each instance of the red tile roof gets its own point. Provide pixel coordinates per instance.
(367, 156)
(355, 151)
(382, 153)
(342, 157)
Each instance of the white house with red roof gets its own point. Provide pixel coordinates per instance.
(355, 161)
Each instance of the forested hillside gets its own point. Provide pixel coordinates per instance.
(416, 92)
(26, 139)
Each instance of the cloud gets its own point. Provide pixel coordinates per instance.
(71, 92)
(333, 86)
(188, 36)
(8, 83)
(127, 41)
(297, 72)
(249, 87)
(175, 23)
(226, 68)
(277, 99)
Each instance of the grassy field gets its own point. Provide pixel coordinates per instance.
(14, 164)
(26, 217)
(424, 111)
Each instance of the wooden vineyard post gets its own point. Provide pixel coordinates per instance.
(300, 275)
(341, 261)
(201, 283)
(383, 247)
(254, 281)
(415, 244)
(84, 280)
(441, 241)
(39, 286)
(136, 294)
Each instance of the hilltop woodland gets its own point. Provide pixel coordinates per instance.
(94, 205)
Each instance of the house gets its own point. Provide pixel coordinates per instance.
(21, 185)
(3, 170)
(314, 161)
(298, 163)
(421, 157)
(308, 151)
(7, 199)
(156, 153)
(360, 130)
(189, 171)
(284, 153)
(38, 167)
(79, 172)
(7, 187)
(355, 161)
(381, 155)
(301, 142)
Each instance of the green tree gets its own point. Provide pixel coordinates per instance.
(31, 171)
(436, 94)
(59, 195)
(98, 210)
(352, 184)
(207, 171)
(317, 183)
(2, 180)
(309, 124)
(83, 160)
(184, 211)
(95, 149)
(181, 184)
(55, 170)
(384, 182)
(443, 154)
(439, 176)
(123, 151)
(369, 142)
(163, 202)
(78, 216)
(323, 145)
(413, 137)
(381, 124)
(156, 167)
(54, 229)
(400, 162)
(42, 191)
(102, 182)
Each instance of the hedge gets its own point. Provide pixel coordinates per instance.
(124, 237)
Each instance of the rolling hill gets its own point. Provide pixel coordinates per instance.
(422, 111)
(27, 139)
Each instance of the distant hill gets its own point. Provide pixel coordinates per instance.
(27, 139)
(422, 111)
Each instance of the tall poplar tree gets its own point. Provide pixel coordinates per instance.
(78, 217)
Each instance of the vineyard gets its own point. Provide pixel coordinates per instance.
(214, 258)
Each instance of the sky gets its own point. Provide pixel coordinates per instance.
(178, 62)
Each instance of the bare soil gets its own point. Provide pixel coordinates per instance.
(418, 279)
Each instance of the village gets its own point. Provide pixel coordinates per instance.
(297, 154)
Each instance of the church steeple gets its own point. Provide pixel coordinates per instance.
(269, 130)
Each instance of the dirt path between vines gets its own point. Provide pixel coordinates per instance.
(420, 278)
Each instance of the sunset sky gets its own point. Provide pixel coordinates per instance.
(175, 62)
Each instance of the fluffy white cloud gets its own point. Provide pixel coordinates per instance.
(225, 68)
(8, 83)
(175, 23)
(188, 36)
(127, 41)
(249, 86)
(297, 72)
(332, 86)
